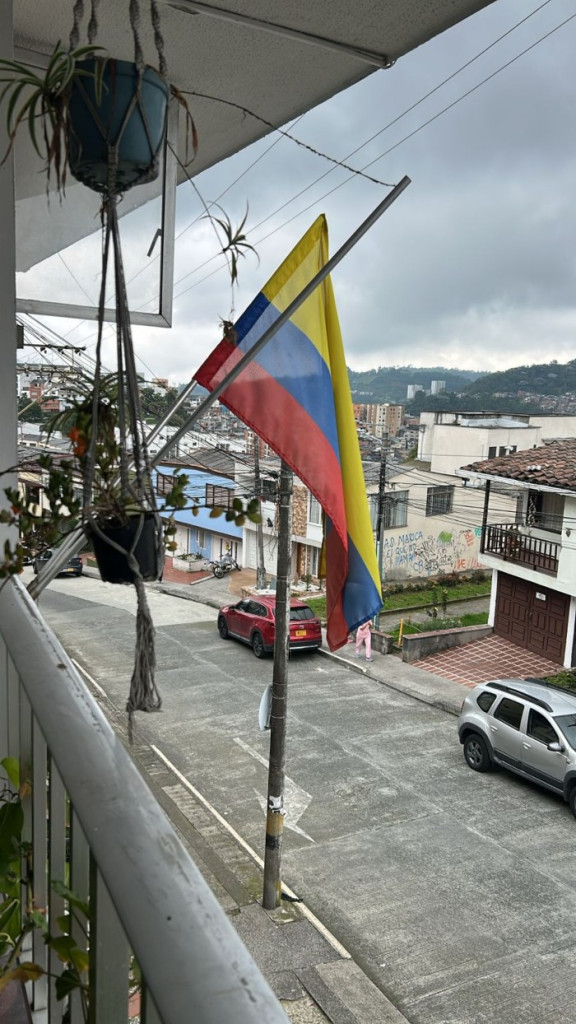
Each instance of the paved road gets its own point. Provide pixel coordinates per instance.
(455, 892)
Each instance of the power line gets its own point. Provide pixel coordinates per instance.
(397, 144)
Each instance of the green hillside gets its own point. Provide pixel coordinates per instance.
(543, 379)
(390, 383)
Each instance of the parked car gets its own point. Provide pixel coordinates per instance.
(252, 621)
(525, 725)
(73, 567)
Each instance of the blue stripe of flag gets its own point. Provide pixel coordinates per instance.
(294, 362)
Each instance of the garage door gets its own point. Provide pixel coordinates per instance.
(532, 616)
(251, 556)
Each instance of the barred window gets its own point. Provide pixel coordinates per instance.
(395, 509)
(218, 496)
(164, 483)
(439, 500)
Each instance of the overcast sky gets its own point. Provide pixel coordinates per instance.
(474, 266)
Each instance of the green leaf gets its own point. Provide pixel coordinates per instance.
(67, 983)
(81, 959)
(11, 766)
(8, 908)
(26, 971)
(237, 504)
(63, 946)
(215, 513)
(11, 824)
(73, 898)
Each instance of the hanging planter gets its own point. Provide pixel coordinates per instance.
(116, 124)
(125, 552)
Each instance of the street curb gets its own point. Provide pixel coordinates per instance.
(435, 702)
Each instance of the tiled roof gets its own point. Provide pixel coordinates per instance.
(551, 465)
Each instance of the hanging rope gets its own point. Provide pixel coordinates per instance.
(158, 39)
(119, 498)
(77, 15)
(93, 23)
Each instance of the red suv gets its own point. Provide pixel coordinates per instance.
(252, 621)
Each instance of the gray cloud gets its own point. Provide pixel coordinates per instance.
(473, 266)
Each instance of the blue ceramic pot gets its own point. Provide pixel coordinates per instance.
(115, 140)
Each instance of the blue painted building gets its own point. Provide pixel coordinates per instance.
(200, 533)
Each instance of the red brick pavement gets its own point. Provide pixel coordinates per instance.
(490, 658)
(171, 575)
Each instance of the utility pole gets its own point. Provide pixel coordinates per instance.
(380, 518)
(277, 760)
(260, 566)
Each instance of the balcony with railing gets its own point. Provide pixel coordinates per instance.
(508, 542)
(92, 824)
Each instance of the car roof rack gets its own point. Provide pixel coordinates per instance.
(520, 693)
(552, 686)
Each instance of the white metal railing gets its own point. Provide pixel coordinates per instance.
(92, 820)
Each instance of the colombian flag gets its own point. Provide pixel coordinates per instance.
(296, 396)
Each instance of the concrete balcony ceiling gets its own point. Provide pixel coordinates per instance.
(277, 60)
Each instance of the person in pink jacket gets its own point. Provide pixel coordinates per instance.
(364, 636)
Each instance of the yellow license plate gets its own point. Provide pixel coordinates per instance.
(299, 632)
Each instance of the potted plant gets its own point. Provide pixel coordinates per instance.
(105, 120)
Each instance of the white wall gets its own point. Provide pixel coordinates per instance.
(431, 545)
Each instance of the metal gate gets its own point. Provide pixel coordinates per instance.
(532, 616)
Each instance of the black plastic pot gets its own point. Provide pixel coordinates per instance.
(149, 553)
(111, 125)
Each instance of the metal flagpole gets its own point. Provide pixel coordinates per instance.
(74, 541)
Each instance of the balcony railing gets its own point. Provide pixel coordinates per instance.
(509, 543)
(93, 823)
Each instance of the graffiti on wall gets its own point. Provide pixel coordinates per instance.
(414, 554)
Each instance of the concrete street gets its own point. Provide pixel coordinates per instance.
(453, 892)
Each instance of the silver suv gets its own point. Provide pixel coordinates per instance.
(525, 725)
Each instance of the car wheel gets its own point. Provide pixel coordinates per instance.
(572, 800)
(258, 645)
(476, 753)
(223, 628)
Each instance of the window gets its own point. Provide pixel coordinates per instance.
(301, 614)
(545, 510)
(485, 700)
(268, 489)
(510, 712)
(32, 494)
(219, 497)
(314, 511)
(492, 452)
(540, 729)
(395, 509)
(201, 538)
(439, 500)
(568, 725)
(256, 609)
(310, 560)
(164, 483)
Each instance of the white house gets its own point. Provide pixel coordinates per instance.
(534, 559)
(432, 512)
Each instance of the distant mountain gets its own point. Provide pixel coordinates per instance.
(390, 383)
(542, 379)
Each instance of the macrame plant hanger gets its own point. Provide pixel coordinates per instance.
(133, 486)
